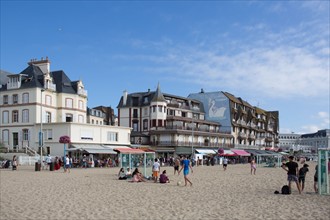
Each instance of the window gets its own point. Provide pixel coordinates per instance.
(25, 115)
(5, 117)
(153, 123)
(15, 116)
(48, 100)
(5, 99)
(25, 134)
(68, 118)
(112, 136)
(135, 113)
(92, 121)
(160, 108)
(160, 123)
(145, 111)
(69, 103)
(5, 136)
(48, 117)
(80, 118)
(81, 104)
(153, 108)
(15, 99)
(49, 134)
(145, 124)
(135, 125)
(25, 98)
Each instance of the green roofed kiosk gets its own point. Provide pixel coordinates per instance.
(136, 158)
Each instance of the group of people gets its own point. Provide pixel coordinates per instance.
(137, 176)
(299, 175)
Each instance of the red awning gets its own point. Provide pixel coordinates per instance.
(241, 152)
(129, 150)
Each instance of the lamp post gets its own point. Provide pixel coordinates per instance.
(41, 136)
(192, 136)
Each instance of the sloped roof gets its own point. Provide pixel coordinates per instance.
(158, 96)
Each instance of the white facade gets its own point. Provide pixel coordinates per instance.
(31, 101)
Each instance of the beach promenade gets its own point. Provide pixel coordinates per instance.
(97, 193)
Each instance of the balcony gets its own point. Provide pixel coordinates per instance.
(252, 136)
(13, 85)
(185, 144)
(242, 135)
(50, 86)
(82, 92)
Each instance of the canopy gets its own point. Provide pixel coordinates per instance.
(228, 153)
(129, 151)
(241, 152)
(205, 151)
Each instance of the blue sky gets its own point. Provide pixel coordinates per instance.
(273, 54)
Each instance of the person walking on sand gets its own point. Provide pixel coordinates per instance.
(302, 176)
(176, 165)
(253, 166)
(67, 164)
(225, 163)
(292, 168)
(316, 179)
(155, 170)
(185, 166)
(14, 164)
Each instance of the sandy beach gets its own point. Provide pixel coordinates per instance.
(96, 193)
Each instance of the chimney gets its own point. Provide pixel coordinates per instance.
(43, 64)
(125, 97)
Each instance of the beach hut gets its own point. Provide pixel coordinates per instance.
(269, 158)
(136, 158)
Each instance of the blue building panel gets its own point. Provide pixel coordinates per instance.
(217, 108)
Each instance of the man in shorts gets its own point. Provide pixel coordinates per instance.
(176, 165)
(292, 168)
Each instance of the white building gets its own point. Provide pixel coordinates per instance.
(39, 99)
(306, 142)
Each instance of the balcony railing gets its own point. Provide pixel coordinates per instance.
(186, 128)
(188, 144)
(82, 92)
(13, 85)
(50, 86)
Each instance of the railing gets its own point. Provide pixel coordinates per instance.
(186, 128)
(13, 85)
(187, 143)
(28, 160)
(242, 134)
(30, 151)
(82, 92)
(50, 86)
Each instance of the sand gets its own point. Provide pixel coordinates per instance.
(96, 193)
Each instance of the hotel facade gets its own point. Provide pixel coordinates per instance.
(39, 99)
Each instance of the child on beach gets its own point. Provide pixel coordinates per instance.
(121, 174)
(253, 166)
(302, 175)
(137, 176)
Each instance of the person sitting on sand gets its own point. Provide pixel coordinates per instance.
(128, 173)
(137, 176)
(121, 174)
(163, 178)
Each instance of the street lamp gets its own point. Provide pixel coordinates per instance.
(41, 136)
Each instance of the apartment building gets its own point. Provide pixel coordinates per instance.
(38, 99)
(250, 126)
(169, 124)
